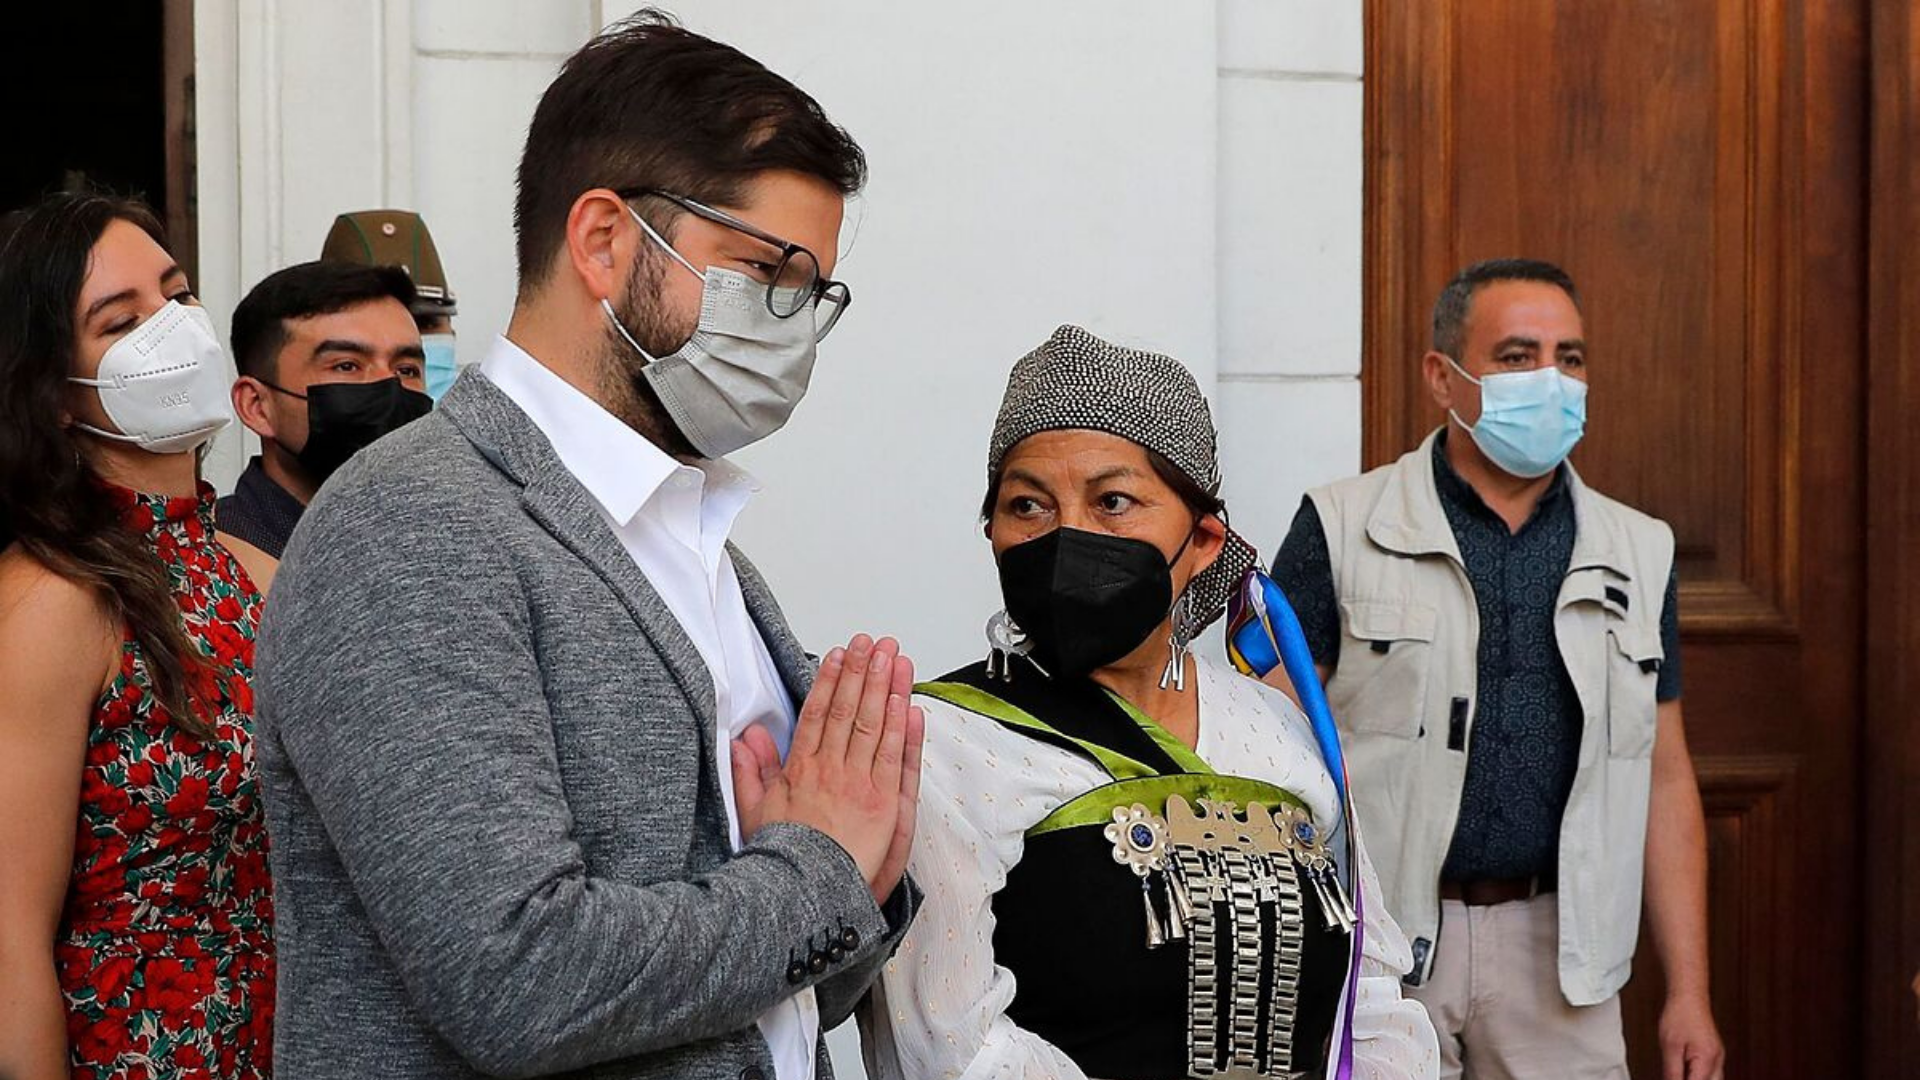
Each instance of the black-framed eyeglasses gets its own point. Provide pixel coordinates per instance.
(796, 282)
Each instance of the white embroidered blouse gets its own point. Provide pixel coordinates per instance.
(939, 1010)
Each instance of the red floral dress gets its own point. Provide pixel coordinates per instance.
(166, 949)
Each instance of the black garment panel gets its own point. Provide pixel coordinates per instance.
(1070, 925)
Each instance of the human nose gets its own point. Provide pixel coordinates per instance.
(1076, 516)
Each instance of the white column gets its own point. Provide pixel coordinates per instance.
(306, 111)
(294, 123)
(479, 67)
(1290, 285)
(217, 56)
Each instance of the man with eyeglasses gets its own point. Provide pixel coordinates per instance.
(552, 786)
(1500, 645)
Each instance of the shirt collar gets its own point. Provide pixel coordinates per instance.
(266, 491)
(1454, 488)
(621, 468)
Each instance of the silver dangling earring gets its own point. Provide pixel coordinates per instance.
(1005, 640)
(1179, 637)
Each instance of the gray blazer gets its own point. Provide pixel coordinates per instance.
(498, 841)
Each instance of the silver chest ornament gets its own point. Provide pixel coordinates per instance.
(1225, 880)
(1005, 640)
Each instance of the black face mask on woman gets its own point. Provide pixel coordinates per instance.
(346, 418)
(1086, 599)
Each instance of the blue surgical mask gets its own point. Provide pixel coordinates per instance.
(1529, 420)
(441, 367)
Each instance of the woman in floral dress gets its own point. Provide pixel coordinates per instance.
(135, 908)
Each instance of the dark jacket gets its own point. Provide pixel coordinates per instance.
(259, 511)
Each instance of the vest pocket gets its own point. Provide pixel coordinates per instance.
(1386, 651)
(1633, 676)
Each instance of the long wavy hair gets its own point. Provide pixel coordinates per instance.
(52, 503)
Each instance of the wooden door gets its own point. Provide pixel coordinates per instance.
(1699, 167)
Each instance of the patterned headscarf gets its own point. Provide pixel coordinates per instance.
(1076, 380)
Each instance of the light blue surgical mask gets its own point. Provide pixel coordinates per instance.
(1529, 420)
(441, 367)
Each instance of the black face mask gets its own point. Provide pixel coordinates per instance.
(346, 418)
(1086, 598)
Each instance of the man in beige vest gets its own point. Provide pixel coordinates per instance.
(1499, 644)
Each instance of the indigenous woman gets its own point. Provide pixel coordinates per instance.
(135, 909)
(1136, 862)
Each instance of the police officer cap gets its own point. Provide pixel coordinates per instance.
(393, 238)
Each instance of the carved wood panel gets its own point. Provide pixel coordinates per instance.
(1658, 152)
(1750, 840)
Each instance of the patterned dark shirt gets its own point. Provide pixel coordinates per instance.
(259, 511)
(1525, 744)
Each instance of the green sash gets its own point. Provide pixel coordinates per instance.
(1134, 781)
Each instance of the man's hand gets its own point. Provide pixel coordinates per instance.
(854, 768)
(1676, 897)
(1690, 1046)
(901, 847)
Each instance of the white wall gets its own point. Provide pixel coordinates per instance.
(1024, 175)
(1184, 177)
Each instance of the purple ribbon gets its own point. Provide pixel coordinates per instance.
(1344, 1071)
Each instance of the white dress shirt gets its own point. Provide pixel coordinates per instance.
(940, 1009)
(673, 518)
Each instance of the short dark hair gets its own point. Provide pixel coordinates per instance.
(303, 291)
(649, 104)
(1450, 310)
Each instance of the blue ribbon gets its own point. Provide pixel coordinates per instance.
(1263, 633)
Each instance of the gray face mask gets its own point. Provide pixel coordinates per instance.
(739, 377)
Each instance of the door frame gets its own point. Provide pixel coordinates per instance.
(177, 89)
(1891, 746)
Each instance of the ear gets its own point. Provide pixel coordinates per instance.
(1438, 375)
(599, 241)
(250, 405)
(1209, 540)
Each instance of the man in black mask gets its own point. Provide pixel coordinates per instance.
(330, 360)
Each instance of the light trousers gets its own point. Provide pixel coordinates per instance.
(1494, 996)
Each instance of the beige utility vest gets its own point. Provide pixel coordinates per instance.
(1406, 690)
